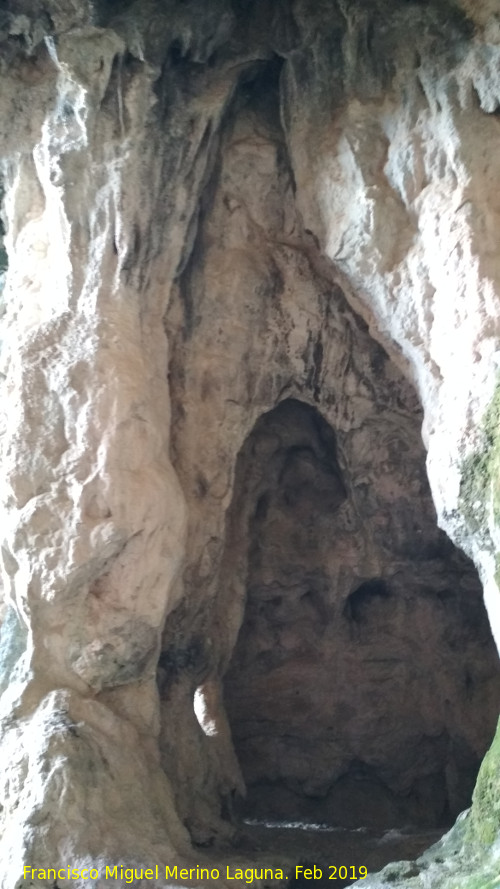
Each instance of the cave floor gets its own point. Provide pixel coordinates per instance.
(329, 848)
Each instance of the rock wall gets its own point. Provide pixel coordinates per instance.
(254, 325)
(347, 700)
(152, 296)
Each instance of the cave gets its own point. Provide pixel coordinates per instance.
(249, 442)
(363, 688)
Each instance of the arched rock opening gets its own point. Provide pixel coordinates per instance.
(322, 546)
(363, 687)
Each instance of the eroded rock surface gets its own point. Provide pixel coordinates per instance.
(347, 701)
(190, 191)
(330, 538)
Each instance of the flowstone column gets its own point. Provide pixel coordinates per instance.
(92, 514)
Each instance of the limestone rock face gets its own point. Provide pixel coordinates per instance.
(400, 197)
(209, 210)
(345, 694)
(330, 537)
(93, 516)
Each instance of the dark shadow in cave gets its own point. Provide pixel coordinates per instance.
(363, 689)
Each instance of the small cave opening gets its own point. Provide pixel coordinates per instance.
(363, 688)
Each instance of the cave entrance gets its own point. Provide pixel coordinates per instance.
(363, 689)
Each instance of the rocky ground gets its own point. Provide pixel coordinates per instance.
(327, 848)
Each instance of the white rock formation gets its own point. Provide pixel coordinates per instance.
(402, 200)
(108, 138)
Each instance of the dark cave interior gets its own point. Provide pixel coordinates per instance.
(354, 698)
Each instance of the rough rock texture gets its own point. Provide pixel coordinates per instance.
(122, 127)
(94, 518)
(345, 695)
(303, 536)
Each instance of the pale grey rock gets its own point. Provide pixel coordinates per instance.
(403, 206)
(69, 792)
(303, 537)
(110, 127)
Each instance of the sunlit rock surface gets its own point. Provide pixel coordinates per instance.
(190, 192)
